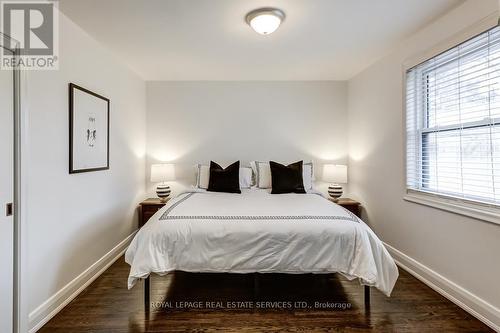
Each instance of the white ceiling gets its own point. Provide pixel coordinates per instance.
(209, 39)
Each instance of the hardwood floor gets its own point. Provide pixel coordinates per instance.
(107, 306)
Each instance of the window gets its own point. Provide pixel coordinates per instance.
(453, 122)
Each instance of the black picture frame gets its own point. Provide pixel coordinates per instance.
(72, 109)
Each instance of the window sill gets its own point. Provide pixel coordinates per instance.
(476, 211)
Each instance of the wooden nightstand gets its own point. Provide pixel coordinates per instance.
(148, 208)
(351, 205)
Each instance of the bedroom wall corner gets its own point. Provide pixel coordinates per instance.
(456, 247)
(79, 223)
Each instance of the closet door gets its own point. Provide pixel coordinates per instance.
(6, 198)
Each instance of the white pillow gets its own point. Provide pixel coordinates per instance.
(308, 175)
(245, 177)
(203, 176)
(253, 165)
(263, 174)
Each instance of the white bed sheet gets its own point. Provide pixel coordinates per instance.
(256, 231)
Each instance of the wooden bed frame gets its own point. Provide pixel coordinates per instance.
(147, 293)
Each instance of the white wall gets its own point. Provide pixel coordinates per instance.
(195, 122)
(462, 250)
(73, 220)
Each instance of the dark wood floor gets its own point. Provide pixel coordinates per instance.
(107, 306)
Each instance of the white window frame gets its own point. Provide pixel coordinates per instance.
(474, 209)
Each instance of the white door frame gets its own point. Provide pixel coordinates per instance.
(20, 313)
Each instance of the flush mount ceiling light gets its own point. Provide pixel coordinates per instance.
(265, 20)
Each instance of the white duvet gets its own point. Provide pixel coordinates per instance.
(256, 231)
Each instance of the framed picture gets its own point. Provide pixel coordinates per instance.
(88, 130)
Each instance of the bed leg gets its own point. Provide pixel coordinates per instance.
(147, 289)
(256, 285)
(367, 296)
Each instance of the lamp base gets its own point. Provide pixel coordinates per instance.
(335, 191)
(163, 192)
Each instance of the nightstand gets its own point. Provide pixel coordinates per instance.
(148, 208)
(351, 205)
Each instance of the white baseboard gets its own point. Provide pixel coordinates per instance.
(48, 309)
(479, 308)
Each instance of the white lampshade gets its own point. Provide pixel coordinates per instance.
(335, 173)
(265, 20)
(162, 172)
(265, 24)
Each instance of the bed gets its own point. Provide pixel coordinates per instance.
(259, 232)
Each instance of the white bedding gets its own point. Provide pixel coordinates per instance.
(256, 231)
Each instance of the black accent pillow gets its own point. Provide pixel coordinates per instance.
(224, 180)
(286, 178)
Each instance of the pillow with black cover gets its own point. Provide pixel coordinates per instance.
(286, 178)
(224, 180)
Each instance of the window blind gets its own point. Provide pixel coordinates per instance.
(453, 121)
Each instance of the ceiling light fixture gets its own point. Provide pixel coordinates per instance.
(265, 20)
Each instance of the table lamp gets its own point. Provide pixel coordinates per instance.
(161, 173)
(335, 174)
